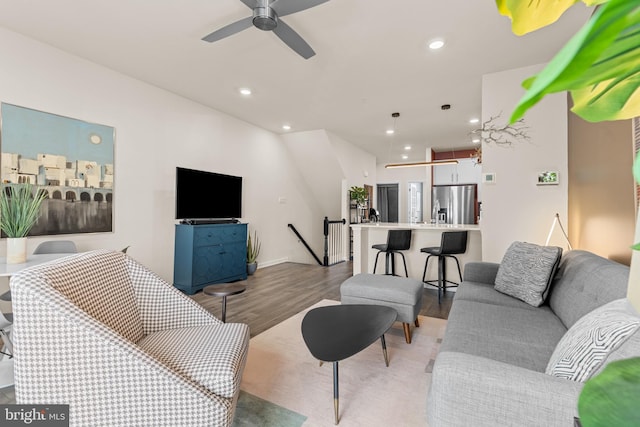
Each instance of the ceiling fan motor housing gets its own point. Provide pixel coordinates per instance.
(265, 18)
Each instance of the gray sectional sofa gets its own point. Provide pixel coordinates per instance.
(491, 367)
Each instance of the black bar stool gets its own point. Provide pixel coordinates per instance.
(397, 240)
(452, 243)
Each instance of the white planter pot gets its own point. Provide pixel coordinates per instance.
(16, 250)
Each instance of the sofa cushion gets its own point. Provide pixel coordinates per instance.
(212, 356)
(590, 340)
(400, 293)
(486, 293)
(520, 337)
(526, 271)
(384, 288)
(585, 281)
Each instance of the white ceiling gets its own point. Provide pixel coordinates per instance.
(371, 60)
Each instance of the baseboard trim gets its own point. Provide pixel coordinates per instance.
(271, 263)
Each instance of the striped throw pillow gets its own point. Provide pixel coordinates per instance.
(526, 271)
(588, 343)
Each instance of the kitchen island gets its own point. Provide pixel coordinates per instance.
(423, 235)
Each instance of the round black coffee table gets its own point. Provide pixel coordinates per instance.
(224, 290)
(336, 332)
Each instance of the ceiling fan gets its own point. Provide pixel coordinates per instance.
(266, 16)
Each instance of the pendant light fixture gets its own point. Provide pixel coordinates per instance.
(416, 164)
(392, 129)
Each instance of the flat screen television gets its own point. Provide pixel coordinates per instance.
(207, 195)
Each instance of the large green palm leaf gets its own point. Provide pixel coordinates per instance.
(531, 15)
(599, 65)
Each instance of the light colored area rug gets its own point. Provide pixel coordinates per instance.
(281, 370)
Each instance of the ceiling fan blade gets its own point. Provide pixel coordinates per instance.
(293, 40)
(229, 30)
(287, 7)
(251, 4)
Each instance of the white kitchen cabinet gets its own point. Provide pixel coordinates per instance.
(465, 172)
(468, 172)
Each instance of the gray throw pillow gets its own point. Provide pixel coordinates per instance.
(526, 271)
(589, 342)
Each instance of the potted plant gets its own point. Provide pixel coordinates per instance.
(19, 211)
(253, 250)
(359, 195)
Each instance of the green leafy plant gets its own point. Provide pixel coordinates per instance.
(19, 209)
(253, 248)
(359, 194)
(600, 65)
(611, 397)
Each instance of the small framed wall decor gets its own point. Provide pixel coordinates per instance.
(548, 178)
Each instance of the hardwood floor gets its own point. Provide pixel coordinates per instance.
(276, 293)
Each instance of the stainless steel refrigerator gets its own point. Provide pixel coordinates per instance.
(454, 204)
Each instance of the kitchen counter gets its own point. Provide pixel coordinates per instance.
(417, 226)
(423, 235)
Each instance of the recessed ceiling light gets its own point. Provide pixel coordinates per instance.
(407, 147)
(405, 157)
(474, 120)
(390, 131)
(475, 140)
(436, 44)
(286, 127)
(245, 91)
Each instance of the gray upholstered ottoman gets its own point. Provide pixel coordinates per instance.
(403, 294)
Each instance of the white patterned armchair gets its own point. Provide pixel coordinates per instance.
(100, 332)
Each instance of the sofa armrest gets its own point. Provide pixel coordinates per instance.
(161, 305)
(482, 272)
(472, 390)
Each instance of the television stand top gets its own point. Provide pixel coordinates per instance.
(210, 221)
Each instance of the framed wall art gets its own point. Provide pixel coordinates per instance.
(548, 178)
(70, 159)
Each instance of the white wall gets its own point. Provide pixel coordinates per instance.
(358, 166)
(633, 292)
(329, 166)
(515, 208)
(321, 180)
(155, 132)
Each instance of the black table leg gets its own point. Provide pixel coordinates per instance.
(384, 350)
(336, 398)
(224, 309)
